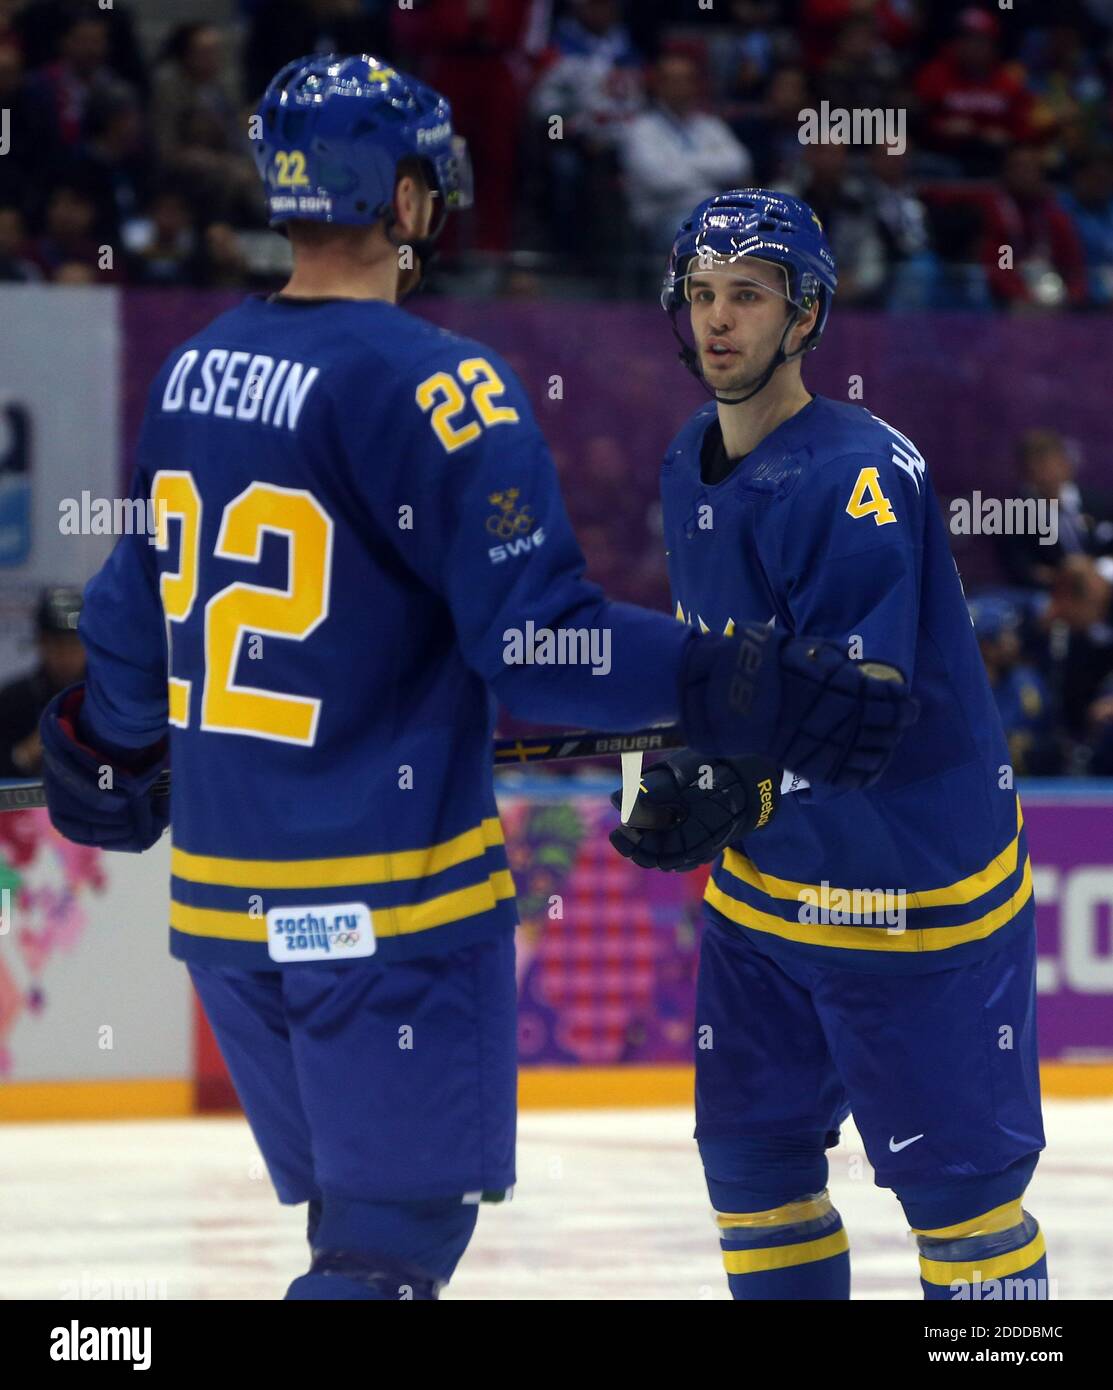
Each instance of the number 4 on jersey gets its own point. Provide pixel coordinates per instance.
(867, 499)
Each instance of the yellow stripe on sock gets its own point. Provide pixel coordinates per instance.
(809, 1209)
(978, 1271)
(1000, 1218)
(785, 1256)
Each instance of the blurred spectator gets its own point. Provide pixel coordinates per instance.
(957, 236)
(113, 162)
(745, 56)
(74, 273)
(41, 24)
(974, 105)
(32, 128)
(61, 662)
(1022, 698)
(1065, 80)
(769, 128)
(1089, 205)
(223, 263)
(8, 32)
(821, 22)
(79, 70)
(191, 78)
(592, 75)
(1079, 623)
(1100, 730)
(1074, 143)
(1045, 267)
(675, 154)
(219, 177)
(900, 221)
(840, 199)
(861, 70)
(162, 246)
(1084, 518)
(593, 82)
(68, 233)
(16, 265)
(478, 54)
(201, 136)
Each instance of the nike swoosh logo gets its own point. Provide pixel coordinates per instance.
(895, 1148)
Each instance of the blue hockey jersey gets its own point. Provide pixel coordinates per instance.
(359, 537)
(830, 527)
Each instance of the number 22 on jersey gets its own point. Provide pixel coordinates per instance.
(486, 385)
(241, 608)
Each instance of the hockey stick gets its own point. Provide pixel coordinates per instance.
(508, 752)
(512, 752)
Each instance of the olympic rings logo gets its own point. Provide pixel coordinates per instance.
(510, 524)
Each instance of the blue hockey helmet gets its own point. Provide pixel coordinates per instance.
(762, 223)
(332, 131)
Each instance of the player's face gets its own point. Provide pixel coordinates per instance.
(738, 317)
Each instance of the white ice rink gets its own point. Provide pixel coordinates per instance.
(609, 1205)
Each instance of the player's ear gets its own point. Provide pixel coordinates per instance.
(407, 205)
(411, 199)
(805, 322)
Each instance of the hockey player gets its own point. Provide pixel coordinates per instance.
(359, 524)
(870, 951)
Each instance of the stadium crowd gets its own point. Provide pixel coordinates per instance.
(595, 125)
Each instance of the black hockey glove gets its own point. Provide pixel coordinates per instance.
(129, 813)
(799, 701)
(691, 806)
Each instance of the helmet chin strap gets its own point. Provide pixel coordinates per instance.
(690, 358)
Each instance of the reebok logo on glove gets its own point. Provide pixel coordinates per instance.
(765, 795)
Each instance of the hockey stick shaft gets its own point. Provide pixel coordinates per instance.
(508, 752)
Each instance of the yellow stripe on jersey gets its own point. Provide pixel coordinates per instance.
(978, 1271)
(785, 1256)
(911, 939)
(962, 891)
(352, 869)
(386, 921)
(1002, 1218)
